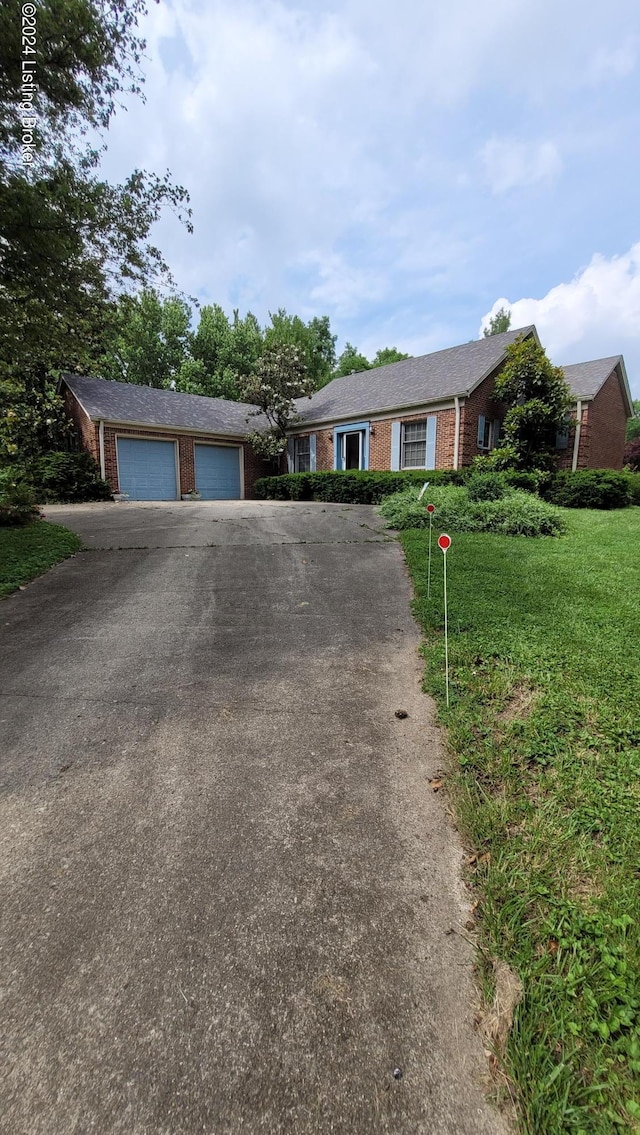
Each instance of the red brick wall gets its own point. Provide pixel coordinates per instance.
(324, 450)
(380, 441)
(380, 445)
(564, 457)
(254, 467)
(607, 421)
(481, 401)
(87, 430)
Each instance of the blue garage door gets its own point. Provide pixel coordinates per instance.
(147, 469)
(218, 472)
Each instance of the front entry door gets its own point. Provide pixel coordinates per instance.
(352, 450)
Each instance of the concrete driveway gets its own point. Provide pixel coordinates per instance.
(229, 900)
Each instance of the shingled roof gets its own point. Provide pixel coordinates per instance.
(126, 403)
(586, 379)
(412, 382)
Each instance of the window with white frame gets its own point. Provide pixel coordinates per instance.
(302, 454)
(414, 445)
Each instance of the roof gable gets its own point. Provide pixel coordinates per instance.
(419, 381)
(586, 379)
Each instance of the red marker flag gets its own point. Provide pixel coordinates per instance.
(444, 542)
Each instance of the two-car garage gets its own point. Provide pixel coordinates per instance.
(154, 444)
(148, 469)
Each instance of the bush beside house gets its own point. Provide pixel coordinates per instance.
(357, 487)
(590, 488)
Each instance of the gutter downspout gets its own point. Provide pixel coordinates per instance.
(456, 436)
(102, 463)
(576, 440)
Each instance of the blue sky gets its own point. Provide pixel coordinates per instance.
(404, 168)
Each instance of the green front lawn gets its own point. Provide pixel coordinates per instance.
(28, 552)
(544, 728)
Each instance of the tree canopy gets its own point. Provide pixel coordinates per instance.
(351, 360)
(153, 340)
(280, 377)
(70, 242)
(633, 424)
(538, 398)
(498, 323)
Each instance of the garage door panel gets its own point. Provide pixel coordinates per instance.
(147, 469)
(218, 472)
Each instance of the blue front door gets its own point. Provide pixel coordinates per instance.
(147, 469)
(218, 472)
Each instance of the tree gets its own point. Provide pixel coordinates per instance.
(632, 454)
(498, 323)
(387, 355)
(150, 341)
(70, 242)
(281, 376)
(351, 360)
(314, 340)
(538, 398)
(633, 424)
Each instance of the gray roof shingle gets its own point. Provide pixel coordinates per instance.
(124, 402)
(413, 382)
(585, 379)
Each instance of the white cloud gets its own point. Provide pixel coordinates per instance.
(511, 164)
(596, 315)
(615, 62)
(332, 152)
(344, 289)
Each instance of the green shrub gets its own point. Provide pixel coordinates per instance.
(17, 506)
(453, 509)
(634, 487)
(518, 513)
(530, 482)
(487, 486)
(67, 478)
(358, 487)
(590, 488)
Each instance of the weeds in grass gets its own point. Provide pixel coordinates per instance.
(544, 724)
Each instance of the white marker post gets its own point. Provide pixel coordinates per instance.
(444, 542)
(431, 508)
(423, 490)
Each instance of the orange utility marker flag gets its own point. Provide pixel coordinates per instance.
(444, 542)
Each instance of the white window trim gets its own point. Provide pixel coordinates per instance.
(415, 422)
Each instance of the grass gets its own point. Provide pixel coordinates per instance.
(30, 551)
(544, 725)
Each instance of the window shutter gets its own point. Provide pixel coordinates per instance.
(481, 425)
(290, 456)
(432, 422)
(497, 425)
(395, 446)
(312, 453)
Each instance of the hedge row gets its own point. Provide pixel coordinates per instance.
(349, 487)
(586, 488)
(590, 488)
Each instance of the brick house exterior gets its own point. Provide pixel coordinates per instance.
(467, 422)
(438, 411)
